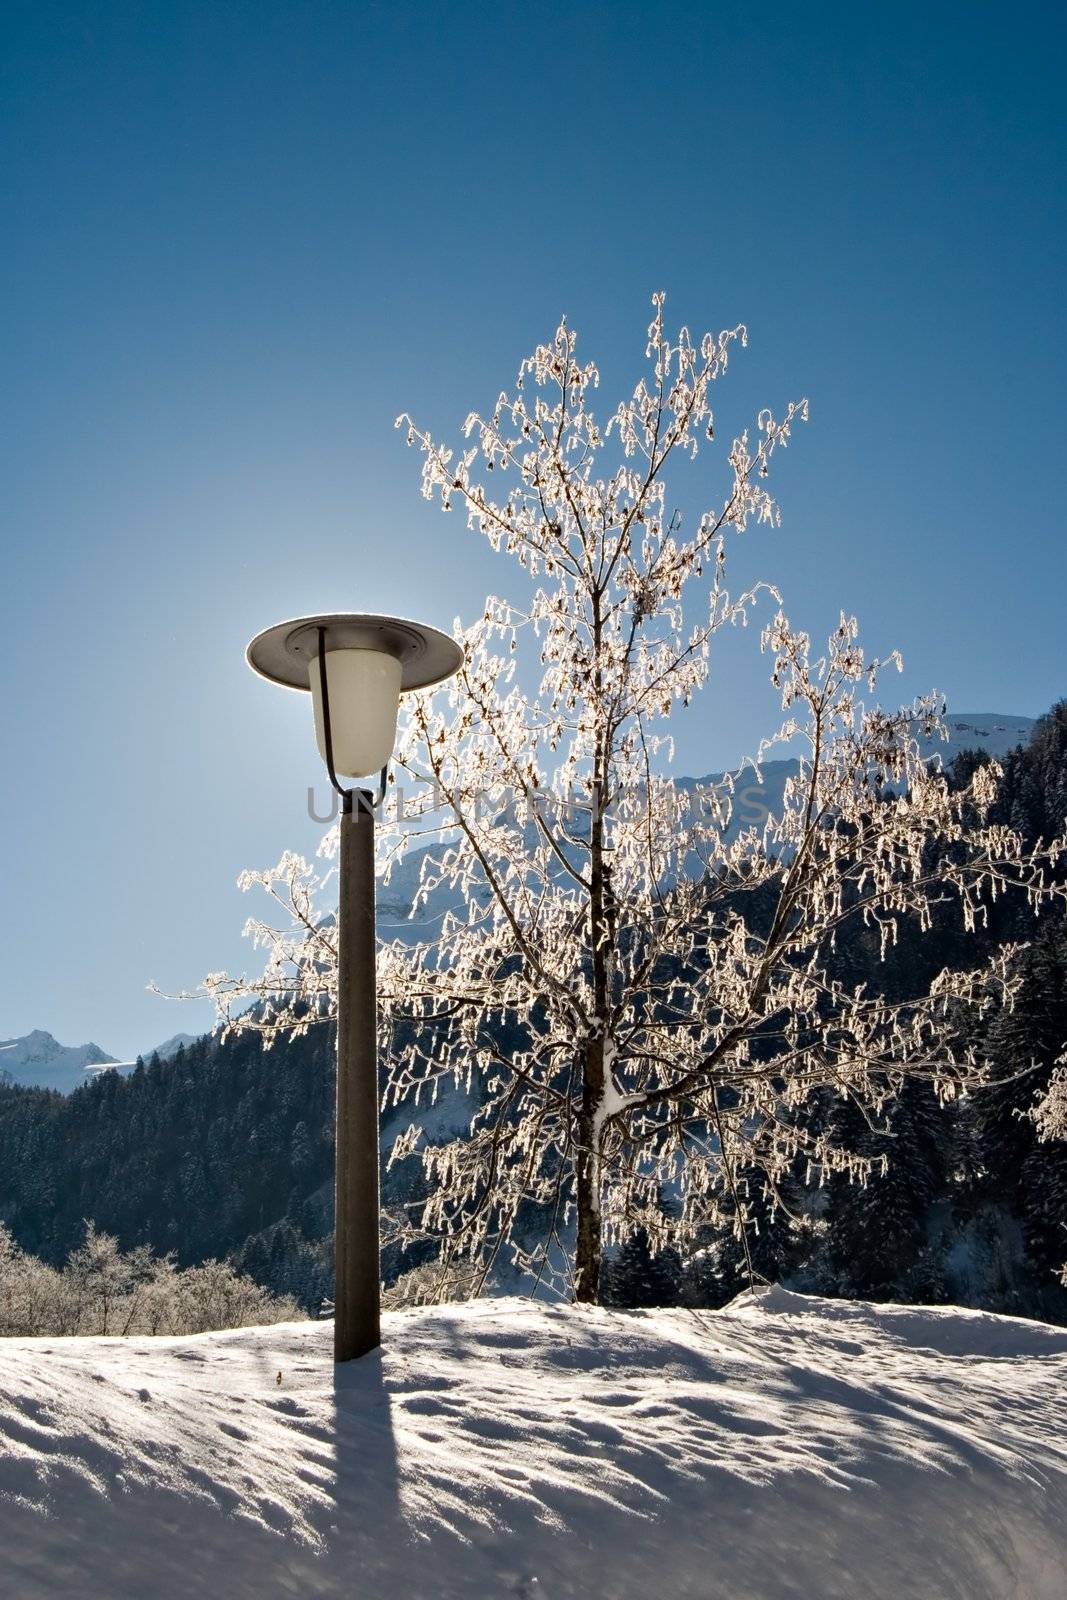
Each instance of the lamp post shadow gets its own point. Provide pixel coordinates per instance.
(368, 1527)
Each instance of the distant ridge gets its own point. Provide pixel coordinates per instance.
(38, 1061)
(165, 1051)
(992, 732)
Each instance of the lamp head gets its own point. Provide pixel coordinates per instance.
(370, 662)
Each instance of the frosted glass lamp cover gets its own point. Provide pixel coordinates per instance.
(364, 690)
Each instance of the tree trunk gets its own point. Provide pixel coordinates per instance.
(587, 1250)
(587, 1180)
(588, 1171)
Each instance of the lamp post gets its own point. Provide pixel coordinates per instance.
(356, 668)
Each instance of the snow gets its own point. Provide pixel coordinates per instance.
(786, 1447)
(995, 733)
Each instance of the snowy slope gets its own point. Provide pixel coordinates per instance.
(170, 1047)
(784, 1449)
(756, 797)
(994, 732)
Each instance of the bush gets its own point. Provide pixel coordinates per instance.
(100, 1290)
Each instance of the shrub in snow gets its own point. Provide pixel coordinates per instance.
(432, 1283)
(103, 1290)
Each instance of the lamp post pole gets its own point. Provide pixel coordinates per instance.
(357, 1297)
(373, 660)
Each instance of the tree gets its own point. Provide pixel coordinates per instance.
(648, 999)
(1039, 1041)
(100, 1276)
(635, 1278)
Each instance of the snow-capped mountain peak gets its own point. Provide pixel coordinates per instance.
(40, 1061)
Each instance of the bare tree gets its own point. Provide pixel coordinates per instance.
(98, 1275)
(646, 995)
(1049, 1112)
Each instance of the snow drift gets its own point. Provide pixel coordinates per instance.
(785, 1447)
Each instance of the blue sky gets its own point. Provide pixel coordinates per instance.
(240, 238)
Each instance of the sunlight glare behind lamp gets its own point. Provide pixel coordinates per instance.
(369, 662)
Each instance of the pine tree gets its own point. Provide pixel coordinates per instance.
(1017, 1171)
(883, 1236)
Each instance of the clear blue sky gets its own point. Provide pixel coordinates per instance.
(240, 237)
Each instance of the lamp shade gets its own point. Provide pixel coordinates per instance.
(364, 691)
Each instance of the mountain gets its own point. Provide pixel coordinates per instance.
(170, 1047)
(993, 732)
(37, 1061)
(41, 1062)
(165, 1051)
(759, 795)
(227, 1150)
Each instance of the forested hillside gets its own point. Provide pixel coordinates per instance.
(224, 1150)
(227, 1149)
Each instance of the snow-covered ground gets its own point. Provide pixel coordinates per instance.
(786, 1448)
